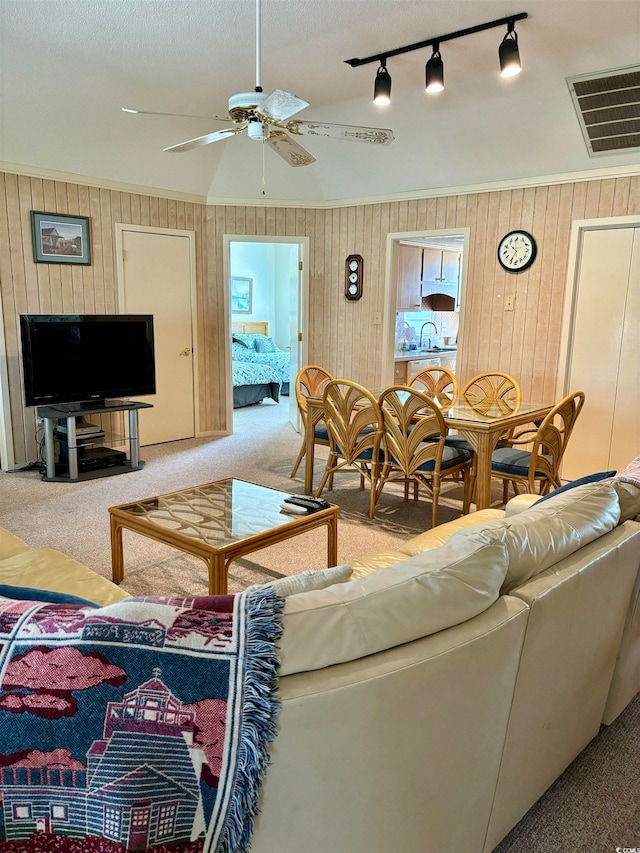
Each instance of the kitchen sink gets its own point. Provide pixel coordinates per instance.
(433, 350)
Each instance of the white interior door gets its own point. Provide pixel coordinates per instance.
(604, 359)
(156, 279)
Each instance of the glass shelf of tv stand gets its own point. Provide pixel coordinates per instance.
(76, 468)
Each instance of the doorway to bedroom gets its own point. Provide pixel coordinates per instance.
(266, 292)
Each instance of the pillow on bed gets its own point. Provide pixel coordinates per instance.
(264, 345)
(245, 340)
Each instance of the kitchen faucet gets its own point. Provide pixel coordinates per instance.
(428, 323)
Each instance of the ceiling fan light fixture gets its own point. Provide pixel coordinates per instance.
(509, 53)
(434, 71)
(257, 130)
(382, 86)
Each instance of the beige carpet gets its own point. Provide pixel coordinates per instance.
(73, 517)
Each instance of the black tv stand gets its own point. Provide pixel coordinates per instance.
(67, 470)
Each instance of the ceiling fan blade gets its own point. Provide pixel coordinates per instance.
(178, 115)
(280, 105)
(289, 149)
(376, 135)
(206, 139)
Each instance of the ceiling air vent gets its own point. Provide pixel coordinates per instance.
(608, 107)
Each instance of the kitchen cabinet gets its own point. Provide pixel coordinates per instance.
(409, 296)
(448, 361)
(441, 265)
(406, 368)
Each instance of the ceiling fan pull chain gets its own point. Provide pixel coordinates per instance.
(264, 180)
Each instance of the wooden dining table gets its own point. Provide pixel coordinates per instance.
(481, 425)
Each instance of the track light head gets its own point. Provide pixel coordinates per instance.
(434, 71)
(509, 54)
(382, 87)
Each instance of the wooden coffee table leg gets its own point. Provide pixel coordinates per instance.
(332, 551)
(218, 568)
(117, 556)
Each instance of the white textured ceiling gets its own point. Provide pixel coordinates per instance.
(67, 66)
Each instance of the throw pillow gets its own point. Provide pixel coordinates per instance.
(631, 474)
(589, 478)
(310, 579)
(269, 345)
(27, 593)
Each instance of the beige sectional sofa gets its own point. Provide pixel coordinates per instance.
(429, 701)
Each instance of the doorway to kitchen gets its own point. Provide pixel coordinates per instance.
(425, 287)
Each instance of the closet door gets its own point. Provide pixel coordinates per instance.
(604, 354)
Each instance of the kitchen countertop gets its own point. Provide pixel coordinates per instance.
(410, 355)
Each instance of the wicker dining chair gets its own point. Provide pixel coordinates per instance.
(411, 455)
(541, 463)
(310, 382)
(355, 426)
(439, 383)
(492, 389)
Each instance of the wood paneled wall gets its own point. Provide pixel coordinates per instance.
(27, 287)
(342, 336)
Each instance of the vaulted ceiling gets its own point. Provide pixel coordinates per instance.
(68, 66)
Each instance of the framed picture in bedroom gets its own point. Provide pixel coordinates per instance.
(60, 239)
(241, 295)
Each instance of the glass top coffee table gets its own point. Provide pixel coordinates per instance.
(217, 522)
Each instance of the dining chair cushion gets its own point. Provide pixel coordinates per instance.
(321, 432)
(451, 456)
(510, 460)
(392, 606)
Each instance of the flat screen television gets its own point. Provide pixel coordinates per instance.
(86, 358)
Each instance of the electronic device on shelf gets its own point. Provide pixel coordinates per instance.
(95, 458)
(84, 429)
(85, 359)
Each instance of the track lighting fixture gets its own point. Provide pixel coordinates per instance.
(382, 87)
(509, 53)
(434, 70)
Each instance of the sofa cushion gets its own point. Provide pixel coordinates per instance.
(395, 605)
(628, 498)
(311, 579)
(426, 541)
(10, 544)
(45, 568)
(572, 484)
(546, 533)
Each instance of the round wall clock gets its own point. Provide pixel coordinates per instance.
(517, 251)
(353, 277)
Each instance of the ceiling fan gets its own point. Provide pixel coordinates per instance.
(267, 118)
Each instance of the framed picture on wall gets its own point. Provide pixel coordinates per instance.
(241, 295)
(60, 239)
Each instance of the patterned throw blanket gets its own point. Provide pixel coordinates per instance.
(142, 725)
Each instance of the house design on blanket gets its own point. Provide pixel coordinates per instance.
(140, 786)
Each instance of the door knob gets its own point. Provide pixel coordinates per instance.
(186, 351)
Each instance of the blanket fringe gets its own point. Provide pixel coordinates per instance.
(261, 707)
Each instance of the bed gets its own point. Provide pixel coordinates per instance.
(251, 344)
(252, 383)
